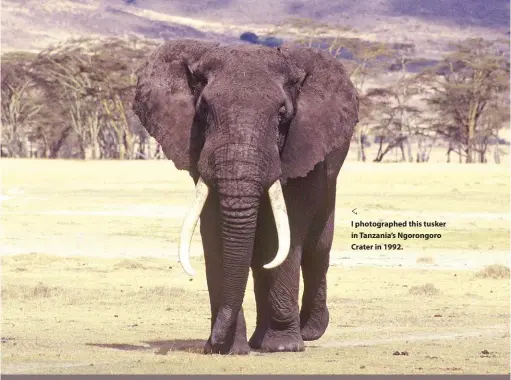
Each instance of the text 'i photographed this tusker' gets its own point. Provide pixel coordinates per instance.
(263, 132)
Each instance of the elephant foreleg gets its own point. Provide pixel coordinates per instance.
(265, 243)
(210, 232)
(283, 323)
(314, 315)
(276, 291)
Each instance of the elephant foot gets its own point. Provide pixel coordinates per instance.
(314, 324)
(256, 340)
(228, 335)
(239, 347)
(282, 341)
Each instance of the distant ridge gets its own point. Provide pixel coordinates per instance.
(431, 25)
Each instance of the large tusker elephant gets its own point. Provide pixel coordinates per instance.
(264, 133)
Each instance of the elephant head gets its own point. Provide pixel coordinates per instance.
(242, 120)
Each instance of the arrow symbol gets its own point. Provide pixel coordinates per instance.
(353, 211)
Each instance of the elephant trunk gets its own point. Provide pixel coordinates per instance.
(238, 183)
(238, 219)
(237, 179)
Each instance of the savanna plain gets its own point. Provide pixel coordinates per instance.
(91, 281)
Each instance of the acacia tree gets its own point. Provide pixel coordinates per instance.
(403, 92)
(45, 129)
(93, 82)
(463, 87)
(497, 115)
(68, 68)
(361, 59)
(393, 118)
(118, 122)
(368, 59)
(396, 118)
(18, 107)
(118, 59)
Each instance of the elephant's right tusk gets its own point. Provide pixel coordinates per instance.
(191, 219)
(278, 206)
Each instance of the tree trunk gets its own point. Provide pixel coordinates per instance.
(94, 148)
(56, 146)
(409, 150)
(361, 147)
(472, 121)
(401, 147)
(496, 154)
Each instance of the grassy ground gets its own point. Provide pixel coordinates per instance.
(125, 306)
(92, 315)
(94, 208)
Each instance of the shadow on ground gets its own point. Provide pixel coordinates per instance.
(161, 347)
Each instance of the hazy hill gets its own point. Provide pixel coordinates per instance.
(431, 24)
(491, 13)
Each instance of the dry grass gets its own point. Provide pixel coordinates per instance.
(129, 264)
(164, 292)
(427, 290)
(106, 310)
(35, 292)
(104, 319)
(425, 260)
(495, 271)
(136, 208)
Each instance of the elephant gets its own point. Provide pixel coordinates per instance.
(263, 132)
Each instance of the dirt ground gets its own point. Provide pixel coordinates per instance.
(91, 282)
(93, 315)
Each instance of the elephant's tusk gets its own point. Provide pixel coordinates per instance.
(191, 219)
(278, 206)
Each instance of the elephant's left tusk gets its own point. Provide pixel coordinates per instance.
(278, 206)
(191, 219)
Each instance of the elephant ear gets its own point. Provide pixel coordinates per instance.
(165, 99)
(326, 112)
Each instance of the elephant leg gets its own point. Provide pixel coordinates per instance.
(278, 321)
(283, 322)
(210, 233)
(314, 315)
(261, 292)
(266, 241)
(304, 197)
(237, 342)
(277, 290)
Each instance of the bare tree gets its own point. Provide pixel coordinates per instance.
(18, 109)
(496, 116)
(404, 90)
(65, 67)
(118, 122)
(395, 119)
(463, 87)
(96, 79)
(360, 57)
(119, 60)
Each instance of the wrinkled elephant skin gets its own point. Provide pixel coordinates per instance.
(263, 132)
